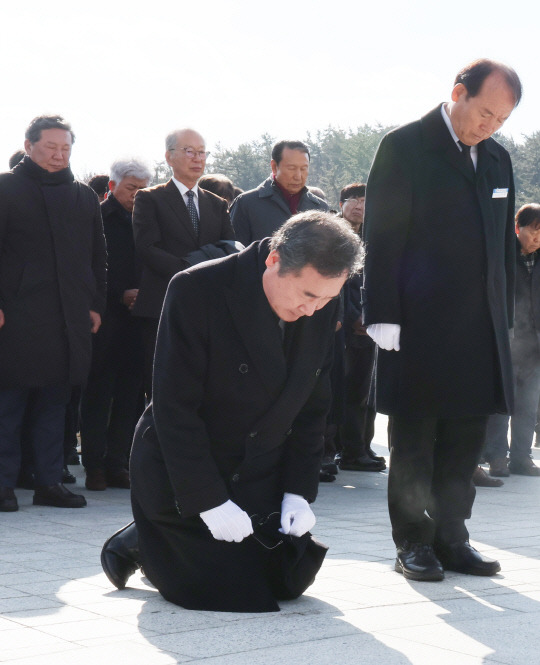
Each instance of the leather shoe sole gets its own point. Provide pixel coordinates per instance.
(116, 565)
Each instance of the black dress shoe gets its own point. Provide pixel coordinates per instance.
(68, 477)
(463, 558)
(364, 463)
(377, 458)
(8, 500)
(58, 496)
(329, 465)
(524, 467)
(417, 561)
(120, 555)
(118, 478)
(481, 479)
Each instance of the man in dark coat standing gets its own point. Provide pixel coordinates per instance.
(438, 301)
(258, 213)
(525, 348)
(170, 221)
(111, 400)
(230, 447)
(52, 294)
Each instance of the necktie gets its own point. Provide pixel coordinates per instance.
(193, 212)
(466, 152)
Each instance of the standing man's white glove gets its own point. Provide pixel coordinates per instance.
(297, 518)
(385, 335)
(228, 522)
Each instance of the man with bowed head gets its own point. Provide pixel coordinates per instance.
(438, 301)
(226, 458)
(52, 295)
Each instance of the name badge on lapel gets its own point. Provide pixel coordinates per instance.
(500, 193)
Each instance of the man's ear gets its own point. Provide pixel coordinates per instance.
(272, 259)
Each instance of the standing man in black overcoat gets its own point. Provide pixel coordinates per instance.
(233, 439)
(52, 295)
(438, 301)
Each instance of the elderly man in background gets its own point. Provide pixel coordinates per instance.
(259, 212)
(112, 399)
(52, 286)
(169, 222)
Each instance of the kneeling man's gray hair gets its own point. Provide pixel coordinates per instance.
(321, 240)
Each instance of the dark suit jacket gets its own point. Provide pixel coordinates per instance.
(164, 234)
(526, 340)
(440, 262)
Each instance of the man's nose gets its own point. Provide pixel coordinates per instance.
(308, 309)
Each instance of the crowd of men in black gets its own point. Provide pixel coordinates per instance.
(83, 284)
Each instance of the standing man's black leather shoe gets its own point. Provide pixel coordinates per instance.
(58, 496)
(120, 555)
(463, 558)
(417, 561)
(8, 500)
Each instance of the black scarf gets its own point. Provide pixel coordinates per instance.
(29, 168)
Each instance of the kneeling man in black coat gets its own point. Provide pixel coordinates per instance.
(226, 458)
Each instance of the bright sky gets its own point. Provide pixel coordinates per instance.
(125, 73)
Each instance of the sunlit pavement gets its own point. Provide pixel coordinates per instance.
(57, 606)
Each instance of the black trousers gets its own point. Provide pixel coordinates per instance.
(149, 334)
(111, 399)
(430, 489)
(42, 410)
(358, 426)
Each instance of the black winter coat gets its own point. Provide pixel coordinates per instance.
(52, 273)
(440, 262)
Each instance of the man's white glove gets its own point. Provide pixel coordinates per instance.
(385, 335)
(228, 522)
(297, 518)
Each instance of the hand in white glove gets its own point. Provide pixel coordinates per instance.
(297, 518)
(228, 522)
(385, 335)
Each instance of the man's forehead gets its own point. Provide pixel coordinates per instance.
(56, 135)
(190, 138)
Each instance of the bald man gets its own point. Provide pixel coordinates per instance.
(170, 221)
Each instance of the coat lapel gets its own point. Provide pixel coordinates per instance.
(178, 207)
(251, 314)
(437, 137)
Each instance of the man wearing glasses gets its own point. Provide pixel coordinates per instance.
(170, 221)
(226, 458)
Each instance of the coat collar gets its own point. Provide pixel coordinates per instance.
(436, 137)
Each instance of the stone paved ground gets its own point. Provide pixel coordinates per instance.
(58, 608)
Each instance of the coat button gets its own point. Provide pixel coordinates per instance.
(235, 478)
(243, 368)
(253, 434)
(288, 432)
(318, 372)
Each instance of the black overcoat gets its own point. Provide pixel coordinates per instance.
(52, 273)
(440, 262)
(231, 418)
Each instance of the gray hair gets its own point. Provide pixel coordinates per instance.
(321, 240)
(124, 168)
(172, 138)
